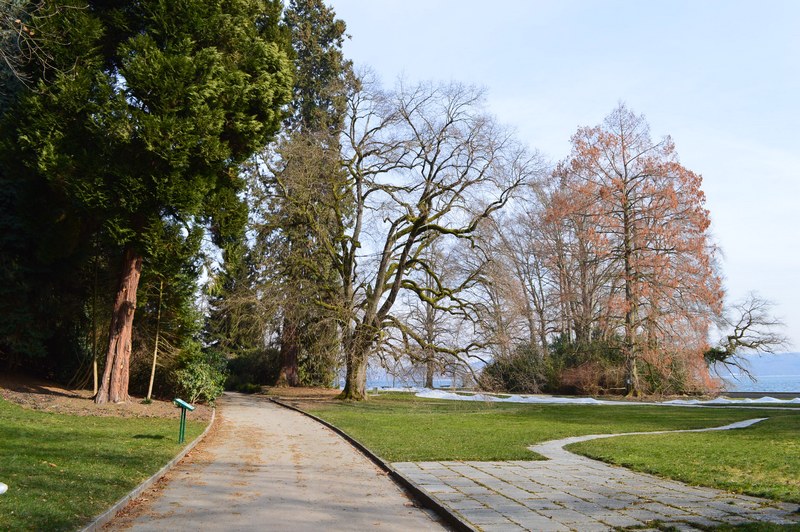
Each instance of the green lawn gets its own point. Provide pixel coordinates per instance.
(400, 427)
(762, 460)
(64, 470)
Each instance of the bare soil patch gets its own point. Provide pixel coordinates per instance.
(302, 397)
(38, 394)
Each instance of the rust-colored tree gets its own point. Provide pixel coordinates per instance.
(646, 217)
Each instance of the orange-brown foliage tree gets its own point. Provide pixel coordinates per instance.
(639, 225)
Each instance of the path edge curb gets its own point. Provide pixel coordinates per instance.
(98, 522)
(418, 493)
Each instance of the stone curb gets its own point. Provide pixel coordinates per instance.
(102, 519)
(423, 498)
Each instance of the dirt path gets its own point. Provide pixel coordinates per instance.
(268, 468)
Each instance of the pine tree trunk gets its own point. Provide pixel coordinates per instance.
(114, 386)
(290, 349)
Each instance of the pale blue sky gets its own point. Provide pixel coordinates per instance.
(721, 77)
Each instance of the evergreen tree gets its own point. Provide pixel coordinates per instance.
(143, 120)
(45, 241)
(295, 196)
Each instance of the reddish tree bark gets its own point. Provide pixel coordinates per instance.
(114, 386)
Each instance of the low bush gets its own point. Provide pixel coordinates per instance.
(248, 387)
(201, 374)
(524, 371)
(257, 367)
(596, 367)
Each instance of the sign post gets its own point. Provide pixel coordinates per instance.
(184, 406)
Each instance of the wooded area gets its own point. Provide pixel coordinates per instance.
(201, 190)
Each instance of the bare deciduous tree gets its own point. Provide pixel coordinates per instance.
(423, 162)
(749, 326)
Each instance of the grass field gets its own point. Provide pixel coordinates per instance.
(400, 427)
(63, 470)
(762, 460)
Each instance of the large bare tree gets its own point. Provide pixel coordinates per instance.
(423, 163)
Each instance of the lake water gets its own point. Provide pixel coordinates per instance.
(773, 373)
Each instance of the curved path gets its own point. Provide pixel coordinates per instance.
(572, 492)
(268, 468)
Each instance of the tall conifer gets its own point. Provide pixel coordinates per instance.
(144, 118)
(305, 181)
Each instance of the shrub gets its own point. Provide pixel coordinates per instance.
(593, 378)
(524, 371)
(248, 387)
(255, 367)
(202, 374)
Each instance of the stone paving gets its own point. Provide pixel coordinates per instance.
(571, 492)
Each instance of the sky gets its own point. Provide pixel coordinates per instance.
(721, 77)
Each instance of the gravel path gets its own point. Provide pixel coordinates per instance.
(269, 468)
(571, 492)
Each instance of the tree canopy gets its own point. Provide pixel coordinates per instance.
(143, 119)
(147, 145)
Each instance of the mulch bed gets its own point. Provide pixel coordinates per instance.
(38, 394)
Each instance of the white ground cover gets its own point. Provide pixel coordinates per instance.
(549, 399)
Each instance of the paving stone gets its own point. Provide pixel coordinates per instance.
(683, 527)
(669, 511)
(677, 502)
(566, 500)
(590, 526)
(450, 497)
(728, 506)
(587, 508)
(541, 504)
(429, 465)
(476, 491)
(776, 519)
(701, 521)
(484, 516)
(571, 492)
(514, 493)
(531, 485)
(609, 503)
(440, 488)
(492, 500)
(460, 482)
(464, 504)
(643, 515)
(541, 523)
(617, 520)
(506, 527)
(567, 516)
(515, 513)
